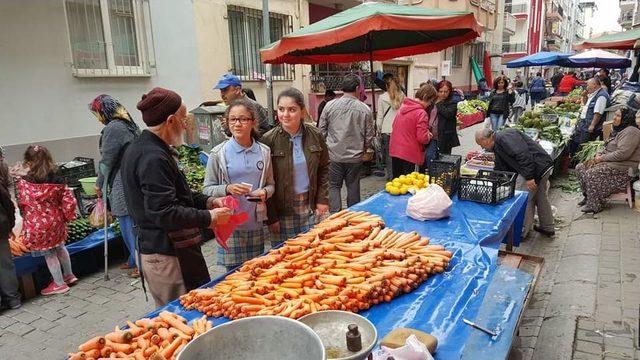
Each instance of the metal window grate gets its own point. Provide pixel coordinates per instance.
(245, 36)
(456, 56)
(108, 37)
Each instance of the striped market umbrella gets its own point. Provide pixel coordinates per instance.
(374, 31)
(624, 40)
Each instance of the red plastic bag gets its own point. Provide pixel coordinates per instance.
(223, 232)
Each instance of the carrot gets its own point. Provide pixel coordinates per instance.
(165, 334)
(106, 351)
(97, 342)
(246, 299)
(77, 356)
(179, 333)
(150, 350)
(156, 339)
(95, 353)
(166, 316)
(125, 348)
(157, 356)
(168, 351)
(122, 337)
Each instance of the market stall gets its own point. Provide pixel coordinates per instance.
(471, 112)
(26, 264)
(473, 286)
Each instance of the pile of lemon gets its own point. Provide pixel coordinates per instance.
(407, 183)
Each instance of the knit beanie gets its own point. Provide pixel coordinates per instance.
(157, 105)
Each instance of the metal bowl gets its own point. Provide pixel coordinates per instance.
(256, 338)
(332, 325)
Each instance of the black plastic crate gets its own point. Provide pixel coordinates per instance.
(488, 187)
(72, 174)
(445, 171)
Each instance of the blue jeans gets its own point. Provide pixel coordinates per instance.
(497, 121)
(430, 153)
(129, 238)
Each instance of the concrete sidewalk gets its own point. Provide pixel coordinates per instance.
(586, 302)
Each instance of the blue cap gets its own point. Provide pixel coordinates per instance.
(227, 80)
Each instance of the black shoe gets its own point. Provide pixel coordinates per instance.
(583, 202)
(544, 232)
(15, 304)
(589, 210)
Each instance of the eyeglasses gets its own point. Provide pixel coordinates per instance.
(242, 121)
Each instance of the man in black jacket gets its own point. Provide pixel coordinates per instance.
(516, 152)
(168, 216)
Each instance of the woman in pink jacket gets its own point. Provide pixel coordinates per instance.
(411, 132)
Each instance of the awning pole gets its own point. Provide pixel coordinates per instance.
(266, 33)
(373, 75)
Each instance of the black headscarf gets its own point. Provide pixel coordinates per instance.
(628, 118)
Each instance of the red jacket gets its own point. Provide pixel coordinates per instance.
(46, 210)
(568, 83)
(410, 132)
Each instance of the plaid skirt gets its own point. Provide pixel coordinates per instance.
(299, 222)
(243, 245)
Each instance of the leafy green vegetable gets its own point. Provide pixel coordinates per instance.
(191, 167)
(589, 150)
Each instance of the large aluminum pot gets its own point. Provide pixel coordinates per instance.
(256, 338)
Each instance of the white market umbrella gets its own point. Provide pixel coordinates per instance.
(599, 59)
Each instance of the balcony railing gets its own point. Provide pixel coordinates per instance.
(518, 8)
(322, 80)
(510, 23)
(514, 47)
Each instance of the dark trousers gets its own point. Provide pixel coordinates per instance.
(401, 167)
(349, 174)
(385, 154)
(9, 292)
(431, 152)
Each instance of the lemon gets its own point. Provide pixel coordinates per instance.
(420, 184)
(388, 188)
(397, 182)
(394, 191)
(389, 184)
(404, 190)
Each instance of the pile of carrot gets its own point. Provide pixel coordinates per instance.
(160, 338)
(347, 262)
(17, 247)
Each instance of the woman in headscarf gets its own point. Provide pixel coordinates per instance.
(610, 171)
(119, 130)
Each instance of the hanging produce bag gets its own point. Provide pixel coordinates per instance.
(97, 216)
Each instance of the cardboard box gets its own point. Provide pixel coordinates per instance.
(607, 127)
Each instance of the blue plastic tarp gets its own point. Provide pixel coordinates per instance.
(28, 264)
(473, 287)
(539, 59)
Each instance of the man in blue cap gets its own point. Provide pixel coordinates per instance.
(230, 88)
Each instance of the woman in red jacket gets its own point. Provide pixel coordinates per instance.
(47, 205)
(568, 83)
(411, 132)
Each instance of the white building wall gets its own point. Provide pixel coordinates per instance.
(42, 102)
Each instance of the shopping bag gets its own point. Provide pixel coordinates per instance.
(224, 231)
(96, 218)
(431, 203)
(412, 350)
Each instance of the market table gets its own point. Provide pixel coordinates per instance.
(473, 287)
(27, 264)
(471, 119)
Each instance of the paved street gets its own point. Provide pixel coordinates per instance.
(585, 305)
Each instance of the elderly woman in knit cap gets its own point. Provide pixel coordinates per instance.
(168, 216)
(119, 130)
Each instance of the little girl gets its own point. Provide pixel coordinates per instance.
(47, 205)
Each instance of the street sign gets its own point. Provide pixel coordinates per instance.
(446, 68)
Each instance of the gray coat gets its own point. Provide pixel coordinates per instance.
(347, 125)
(115, 135)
